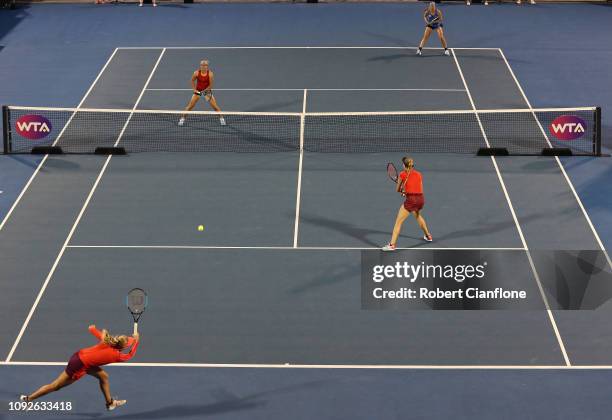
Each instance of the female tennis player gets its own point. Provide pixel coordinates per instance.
(433, 22)
(410, 184)
(88, 361)
(202, 84)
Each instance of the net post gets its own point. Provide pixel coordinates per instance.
(597, 139)
(6, 129)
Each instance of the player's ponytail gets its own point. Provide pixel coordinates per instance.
(116, 341)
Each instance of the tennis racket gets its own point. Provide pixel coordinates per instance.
(392, 172)
(136, 301)
(434, 21)
(206, 93)
(393, 175)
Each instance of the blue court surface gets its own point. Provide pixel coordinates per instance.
(261, 315)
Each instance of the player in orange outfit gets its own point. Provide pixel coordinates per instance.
(88, 361)
(410, 184)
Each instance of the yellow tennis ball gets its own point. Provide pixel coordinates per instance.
(201, 228)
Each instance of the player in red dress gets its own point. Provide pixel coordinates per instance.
(88, 361)
(202, 83)
(410, 184)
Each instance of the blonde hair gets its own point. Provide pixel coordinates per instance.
(408, 162)
(116, 341)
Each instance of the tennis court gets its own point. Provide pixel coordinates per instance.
(269, 293)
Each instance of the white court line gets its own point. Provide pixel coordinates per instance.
(518, 226)
(282, 248)
(300, 48)
(567, 178)
(54, 267)
(299, 181)
(72, 230)
(317, 90)
(339, 366)
(138, 99)
(44, 159)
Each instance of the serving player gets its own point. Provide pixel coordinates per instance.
(410, 184)
(202, 83)
(88, 361)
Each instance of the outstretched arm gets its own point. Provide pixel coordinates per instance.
(95, 332)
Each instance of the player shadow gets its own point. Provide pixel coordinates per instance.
(336, 275)
(277, 106)
(427, 53)
(361, 233)
(26, 161)
(183, 410)
(396, 41)
(227, 402)
(390, 57)
(485, 228)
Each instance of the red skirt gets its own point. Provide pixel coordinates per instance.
(414, 202)
(75, 368)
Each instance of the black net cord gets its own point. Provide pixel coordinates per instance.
(597, 133)
(6, 129)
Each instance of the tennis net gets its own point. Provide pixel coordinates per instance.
(521, 131)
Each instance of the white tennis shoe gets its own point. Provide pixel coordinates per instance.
(181, 121)
(388, 247)
(222, 121)
(115, 403)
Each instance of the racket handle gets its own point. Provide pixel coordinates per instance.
(135, 327)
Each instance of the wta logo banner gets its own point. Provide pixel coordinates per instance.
(568, 127)
(33, 127)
